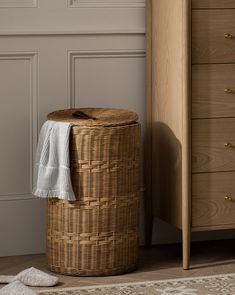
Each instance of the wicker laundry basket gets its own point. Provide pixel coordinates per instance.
(98, 234)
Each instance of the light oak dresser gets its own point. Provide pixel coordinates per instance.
(191, 115)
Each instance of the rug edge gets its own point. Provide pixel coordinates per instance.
(132, 283)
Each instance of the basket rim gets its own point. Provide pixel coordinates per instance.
(104, 117)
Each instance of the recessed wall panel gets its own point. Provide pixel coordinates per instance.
(17, 124)
(109, 79)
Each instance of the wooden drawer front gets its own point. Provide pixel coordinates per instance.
(209, 44)
(209, 153)
(213, 3)
(211, 90)
(211, 204)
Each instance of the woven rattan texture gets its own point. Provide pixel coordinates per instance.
(104, 117)
(98, 234)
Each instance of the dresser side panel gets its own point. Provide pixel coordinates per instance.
(170, 109)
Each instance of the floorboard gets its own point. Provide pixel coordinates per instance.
(156, 263)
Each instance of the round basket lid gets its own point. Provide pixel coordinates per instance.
(95, 116)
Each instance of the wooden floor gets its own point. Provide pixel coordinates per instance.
(156, 263)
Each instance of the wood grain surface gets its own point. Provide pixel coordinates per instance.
(213, 185)
(169, 108)
(209, 153)
(213, 113)
(208, 42)
(209, 98)
(212, 212)
(171, 67)
(209, 207)
(213, 3)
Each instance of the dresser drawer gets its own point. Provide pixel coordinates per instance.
(213, 199)
(213, 3)
(213, 145)
(213, 90)
(209, 44)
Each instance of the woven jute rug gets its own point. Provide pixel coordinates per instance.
(211, 285)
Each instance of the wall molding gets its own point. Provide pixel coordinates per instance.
(120, 32)
(33, 58)
(18, 197)
(76, 55)
(18, 3)
(106, 3)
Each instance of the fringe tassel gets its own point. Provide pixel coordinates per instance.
(53, 194)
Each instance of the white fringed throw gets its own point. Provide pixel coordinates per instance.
(52, 166)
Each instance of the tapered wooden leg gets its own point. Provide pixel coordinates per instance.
(186, 246)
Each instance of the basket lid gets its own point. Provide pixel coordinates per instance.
(95, 116)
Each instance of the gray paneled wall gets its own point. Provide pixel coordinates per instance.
(58, 54)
